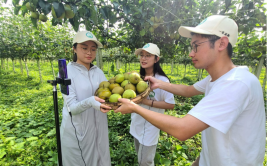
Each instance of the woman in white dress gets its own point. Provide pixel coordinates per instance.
(145, 134)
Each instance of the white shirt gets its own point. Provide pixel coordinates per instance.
(233, 107)
(146, 133)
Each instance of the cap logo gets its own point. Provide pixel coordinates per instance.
(202, 21)
(90, 35)
(146, 46)
(226, 34)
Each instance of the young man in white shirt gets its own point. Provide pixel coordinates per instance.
(231, 116)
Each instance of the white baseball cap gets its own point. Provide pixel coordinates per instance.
(83, 36)
(218, 25)
(149, 47)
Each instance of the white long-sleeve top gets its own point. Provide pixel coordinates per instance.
(90, 123)
(146, 133)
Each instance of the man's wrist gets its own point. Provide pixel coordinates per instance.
(134, 107)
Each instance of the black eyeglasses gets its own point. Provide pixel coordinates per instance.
(195, 45)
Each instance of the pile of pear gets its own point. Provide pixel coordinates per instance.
(126, 85)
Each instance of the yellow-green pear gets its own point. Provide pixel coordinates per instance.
(118, 90)
(104, 84)
(124, 83)
(152, 19)
(104, 94)
(119, 78)
(35, 15)
(134, 78)
(129, 86)
(129, 94)
(30, 6)
(141, 86)
(101, 89)
(43, 17)
(126, 75)
(151, 30)
(112, 80)
(111, 86)
(114, 98)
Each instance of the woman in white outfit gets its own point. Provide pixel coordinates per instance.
(84, 128)
(145, 134)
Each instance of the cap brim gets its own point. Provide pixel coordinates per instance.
(138, 51)
(99, 45)
(186, 31)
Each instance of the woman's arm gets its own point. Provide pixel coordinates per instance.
(158, 104)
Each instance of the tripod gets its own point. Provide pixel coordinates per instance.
(54, 84)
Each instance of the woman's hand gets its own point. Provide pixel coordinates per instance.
(146, 102)
(103, 108)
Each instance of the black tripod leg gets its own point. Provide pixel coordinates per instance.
(57, 125)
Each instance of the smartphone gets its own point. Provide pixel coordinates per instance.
(62, 68)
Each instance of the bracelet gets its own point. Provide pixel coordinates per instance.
(152, 103)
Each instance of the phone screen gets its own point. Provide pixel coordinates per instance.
(62, 68)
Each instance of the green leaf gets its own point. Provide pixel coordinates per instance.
(184, 155)
(9, 138)
(46, 7)
(185, 147)
(165, 162)
(59, 8)
(16, 10)
(88, 25)
(126, 9)
(19, 146)
(112, 18)
(104, 12)
(157, 158)
(38, 132)
(51, 133)
(32, 138)
(11, 143)
(116, 5)
(251, 5)
(2, 153)
(93, 17)
(74, 22)
(227, 3)
(74, 8)
(178, 147)
(15, 2)
(34, 22)
(91, 3)
(34, 143)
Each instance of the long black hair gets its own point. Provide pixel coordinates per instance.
(74, 58)
(156, 70)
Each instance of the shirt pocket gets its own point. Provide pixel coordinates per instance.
(78, 124)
